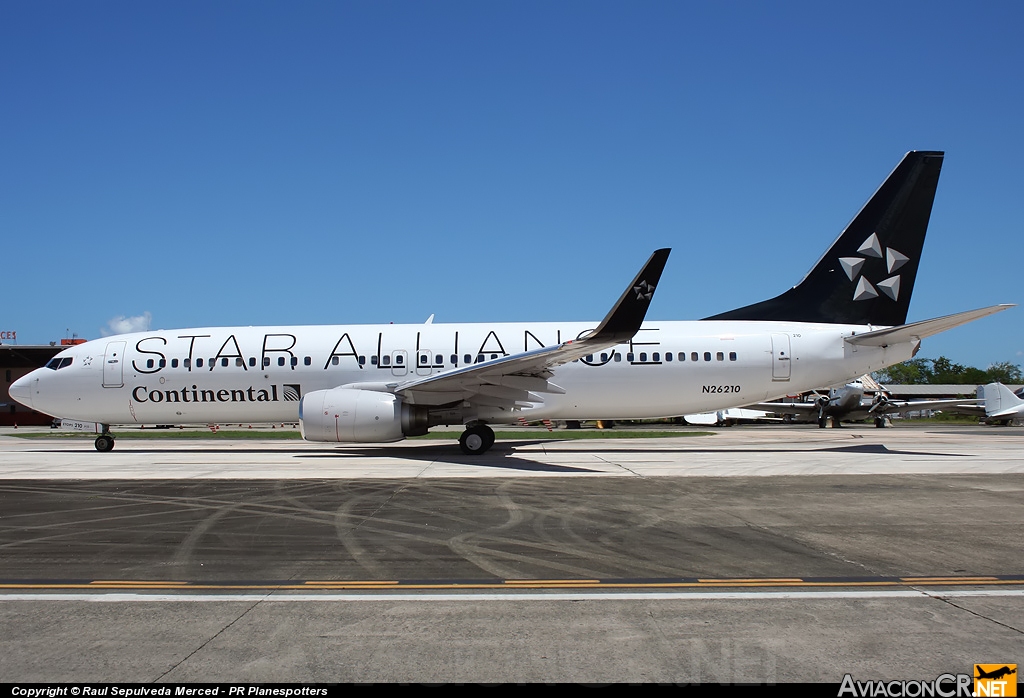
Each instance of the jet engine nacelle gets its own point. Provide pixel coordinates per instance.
(367, 416)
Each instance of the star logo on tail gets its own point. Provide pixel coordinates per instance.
(865, 290)
(643, 290)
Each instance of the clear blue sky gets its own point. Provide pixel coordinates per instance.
(222, 163)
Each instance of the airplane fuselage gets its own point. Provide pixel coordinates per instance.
(258, 374)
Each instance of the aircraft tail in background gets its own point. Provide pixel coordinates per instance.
(1001, 403)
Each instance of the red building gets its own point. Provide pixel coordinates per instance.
(15, 362)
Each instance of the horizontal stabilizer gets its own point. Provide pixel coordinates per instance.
(926, 328)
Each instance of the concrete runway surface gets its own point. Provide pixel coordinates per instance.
(757, 554)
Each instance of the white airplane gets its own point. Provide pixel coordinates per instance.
(1001, 404)
(729, 417)
(382, 383)
(849, 402)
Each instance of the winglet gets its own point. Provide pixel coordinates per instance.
(624, 319)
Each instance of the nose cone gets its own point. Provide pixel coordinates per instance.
(21, 390)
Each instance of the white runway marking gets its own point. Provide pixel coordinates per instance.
(517, 596)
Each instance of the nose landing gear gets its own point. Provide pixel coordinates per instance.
(104, 443)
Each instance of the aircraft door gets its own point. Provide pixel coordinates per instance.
(781, 360)
(399, 363)
(113, 365)
(423, 359)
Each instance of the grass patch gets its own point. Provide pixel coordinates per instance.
(932, 421)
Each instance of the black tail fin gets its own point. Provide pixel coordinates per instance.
(868, 274)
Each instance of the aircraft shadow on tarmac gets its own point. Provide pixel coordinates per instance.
(504, 454)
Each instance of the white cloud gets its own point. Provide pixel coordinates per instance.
(124, 325)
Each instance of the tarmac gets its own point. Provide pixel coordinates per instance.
(757, 554)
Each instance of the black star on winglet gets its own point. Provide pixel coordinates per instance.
(623, 321)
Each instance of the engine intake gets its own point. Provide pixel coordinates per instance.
(364, 416)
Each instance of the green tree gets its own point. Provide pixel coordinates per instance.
(1005, 373)
(943, 371)
(913, 372)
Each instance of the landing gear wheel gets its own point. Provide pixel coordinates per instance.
(476, 440)
(880, 422)
(104, 443)
(822, 422)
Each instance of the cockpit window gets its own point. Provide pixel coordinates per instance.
(57, 363)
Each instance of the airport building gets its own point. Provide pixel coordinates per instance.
(15, 362)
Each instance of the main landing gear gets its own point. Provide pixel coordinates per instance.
(476, 439)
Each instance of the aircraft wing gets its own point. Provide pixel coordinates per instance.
(901, 406)
(808, 408)
(521, 379)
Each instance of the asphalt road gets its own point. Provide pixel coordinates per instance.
(767, 554)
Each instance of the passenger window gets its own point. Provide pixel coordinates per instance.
(438, 360)
(617, 356)
(720, 356)
(266, 361)
(629, 357)
(163, 363)
(494, 356)
(479, 358)
(223, 361)
(682, 356)
(362, 360)
(174, 363)
(294, 361)
(590, 357)
(280, 361)
(694, 356)
(399, 360)
(385, 360)
(252, 361)
(643, 356)
(604, 358)
(732, 356)
(239, 362)
(335, 360)
(307, 361)
(455, 359)
(668, 356)
(467, 359)
(149, 363)
(187, 363)
(373, 360)
(707, 356)
(656, 356)
(199, 363)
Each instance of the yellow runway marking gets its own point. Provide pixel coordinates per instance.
(619, 584)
